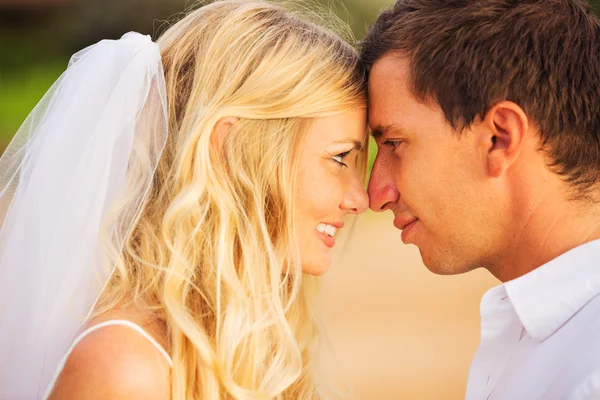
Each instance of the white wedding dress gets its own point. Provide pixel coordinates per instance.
(74, 178)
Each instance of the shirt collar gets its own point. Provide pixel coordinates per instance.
(547, 297)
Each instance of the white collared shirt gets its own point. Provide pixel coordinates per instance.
(540, 333)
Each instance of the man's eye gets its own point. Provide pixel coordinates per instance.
(392, 143)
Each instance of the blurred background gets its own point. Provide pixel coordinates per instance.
(396, 331)
(37, 38)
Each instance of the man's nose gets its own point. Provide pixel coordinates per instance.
(383, 193)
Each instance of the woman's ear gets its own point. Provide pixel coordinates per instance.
(219, 133)
(508, 126)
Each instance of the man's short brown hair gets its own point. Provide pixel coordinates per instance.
(467, 55)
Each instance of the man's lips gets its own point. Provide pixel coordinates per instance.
(405, 224)
(402, 221)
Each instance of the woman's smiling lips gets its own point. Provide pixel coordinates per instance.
(326, 231)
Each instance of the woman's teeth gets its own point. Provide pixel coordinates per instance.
(326, 229)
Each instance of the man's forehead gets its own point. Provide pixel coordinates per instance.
(388, 82)
(392, 65)
(387, 90)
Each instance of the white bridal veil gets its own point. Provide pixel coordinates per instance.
(72, 181)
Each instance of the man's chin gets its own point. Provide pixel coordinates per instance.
(444, 267)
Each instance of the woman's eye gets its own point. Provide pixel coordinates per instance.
(340, 158)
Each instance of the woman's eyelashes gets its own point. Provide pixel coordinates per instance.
(339, 158)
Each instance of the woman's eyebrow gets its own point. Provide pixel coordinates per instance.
(357, 144)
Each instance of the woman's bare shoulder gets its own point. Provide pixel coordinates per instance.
(115, 362)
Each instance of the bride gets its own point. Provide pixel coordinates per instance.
(169, 206)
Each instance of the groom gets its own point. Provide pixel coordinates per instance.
(486, 115)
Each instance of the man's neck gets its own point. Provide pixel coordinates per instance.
(549, 228)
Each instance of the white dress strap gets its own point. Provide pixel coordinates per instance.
(101, 325)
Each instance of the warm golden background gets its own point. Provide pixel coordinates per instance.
(396, 330)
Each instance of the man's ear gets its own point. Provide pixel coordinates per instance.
(507, 128)
(220, 131)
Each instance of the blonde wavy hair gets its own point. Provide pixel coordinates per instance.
(213, 253)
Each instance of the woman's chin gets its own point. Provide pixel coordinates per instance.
(317, 267)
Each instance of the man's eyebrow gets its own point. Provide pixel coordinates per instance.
(357, 144)
(381, 130)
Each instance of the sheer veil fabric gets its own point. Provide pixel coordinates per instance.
(72, 183)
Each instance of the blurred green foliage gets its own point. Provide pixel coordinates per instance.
(37, 41)
(20, 93)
